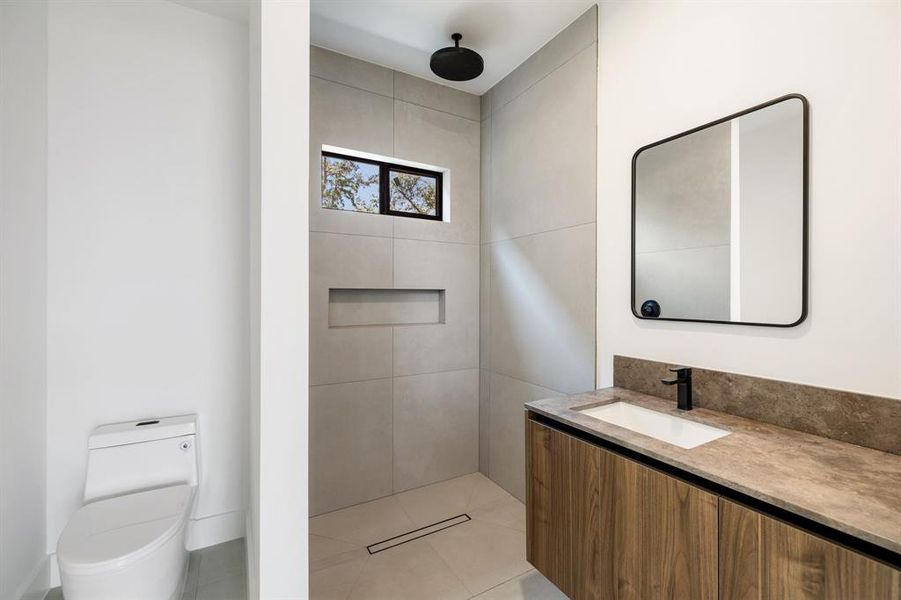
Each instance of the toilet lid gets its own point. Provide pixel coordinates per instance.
(114, 532)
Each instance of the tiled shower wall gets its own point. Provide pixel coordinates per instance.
(538, 276)
(392, 408)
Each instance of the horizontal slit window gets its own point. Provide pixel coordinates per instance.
(370, 186)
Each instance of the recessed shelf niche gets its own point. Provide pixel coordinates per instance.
(369, 307)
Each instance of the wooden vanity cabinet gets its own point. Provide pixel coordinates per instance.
(601, 526)
(765, 559)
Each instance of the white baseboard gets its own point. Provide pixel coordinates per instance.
(215, 529)
(37, 583)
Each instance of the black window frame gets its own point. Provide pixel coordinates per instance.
(385, 190)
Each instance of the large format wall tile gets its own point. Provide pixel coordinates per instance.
(485, 181)
(543, 147)
(350, 444)
(572, 40)
(453, 344)
(448, 141)
(484, 306)
(339, 355)
(507, 454)
(436, 427)
(349, 118)
(339, 68)
(543, 308)
(432, 95)
(484, 420)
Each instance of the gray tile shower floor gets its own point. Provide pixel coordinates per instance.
(484, 558)
(214, 573)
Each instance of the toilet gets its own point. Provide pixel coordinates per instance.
(128, 540)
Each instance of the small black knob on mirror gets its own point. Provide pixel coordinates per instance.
(650, 308)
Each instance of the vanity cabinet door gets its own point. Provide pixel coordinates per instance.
(765, 559)
(549, 504)
(661, 534)
(563, 524)
(600, 526)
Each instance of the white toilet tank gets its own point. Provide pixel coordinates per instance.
(140, 455)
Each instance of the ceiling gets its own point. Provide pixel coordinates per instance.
(402, 34)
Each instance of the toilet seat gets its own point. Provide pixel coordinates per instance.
(117, 532)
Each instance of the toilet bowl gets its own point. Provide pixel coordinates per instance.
(129, 543)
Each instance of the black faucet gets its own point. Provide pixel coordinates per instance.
(683, 380)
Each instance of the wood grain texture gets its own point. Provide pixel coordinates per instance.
(587, 541)
(765, 559)
(661, 535)
(548, 504)
(739, 552)
(796, 564)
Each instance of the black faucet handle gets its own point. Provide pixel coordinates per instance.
(683, 374)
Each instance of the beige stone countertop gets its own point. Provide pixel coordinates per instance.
(852, 489)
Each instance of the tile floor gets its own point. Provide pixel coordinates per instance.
(214, 573)
(483, 558)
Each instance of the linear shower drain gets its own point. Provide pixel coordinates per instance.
(416, 534)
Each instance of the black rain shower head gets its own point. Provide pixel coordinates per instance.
(455, 63)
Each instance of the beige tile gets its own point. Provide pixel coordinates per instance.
(683, 192)
(353, 119)
(447, 141)
(438, 501)
(484, 306)
(485, 181)
(436, 427)
(411, 571)
(579, 34)
(363, 524)
(453, 344)
(543, 309)
(485, 492)
(334, 581)
(342, 355)
(350, 444)
(482, 554)
(484, 421)
(507, 458)
(690, 283)
(508, 512)
(325, 551)
(528, 586)
(543, 146)
(433, 95)
(351, 71)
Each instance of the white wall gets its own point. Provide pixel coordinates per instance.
(279, 116)
(147, 309)
(667, 67)
(23, 285)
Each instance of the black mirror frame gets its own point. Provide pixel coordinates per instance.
(805, 219)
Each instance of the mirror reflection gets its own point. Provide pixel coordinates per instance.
(719, 220)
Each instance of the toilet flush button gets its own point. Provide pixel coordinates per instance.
(185, 445)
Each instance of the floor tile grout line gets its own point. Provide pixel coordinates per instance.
(450, 569)
(531, 568)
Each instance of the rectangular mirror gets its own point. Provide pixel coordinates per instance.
(719, 220)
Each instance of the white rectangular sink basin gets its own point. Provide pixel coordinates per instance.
(666, 428)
